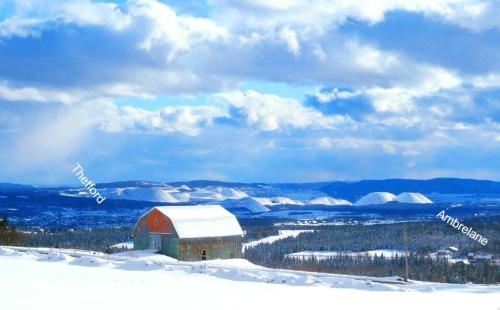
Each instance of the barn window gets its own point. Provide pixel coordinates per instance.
(204, 255)
(156, 222)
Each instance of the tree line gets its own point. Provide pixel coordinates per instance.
(420, 239)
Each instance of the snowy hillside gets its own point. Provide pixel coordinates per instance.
(252, 197)
(277, 201)
(67, 279)
(217, 193)
(412, 198)
(322, 193)
(155, 194)
(164, 193)
(232, 197)
(250, 204)
(329, 201)
(375, 198)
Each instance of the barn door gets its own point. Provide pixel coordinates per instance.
(155, 241)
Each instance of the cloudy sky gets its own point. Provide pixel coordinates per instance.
(252, 90)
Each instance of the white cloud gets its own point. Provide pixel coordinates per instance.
(397, 99)
(327, 143)
(368, 58)
(291, 40)
(491, 80)
(146, 49)
(170, 53)
(187, 120)
(334, 94)
(163, 52)
(159, 24)
(317, 16)
(129, 49)
(268, 112)
(401, 99)
(474, 14)
(79, 12)
(14, 94)
(85, 12)
(69, 96)
(176, 31)
(319, 52)
(388, 148)
(21, 27)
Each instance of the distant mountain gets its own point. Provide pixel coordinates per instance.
(205, 183)
(249, 204)
(354, 190)
(412, 198)
(375, 198)
(122, 184)
(329, 201)
(13, 187)
(126, 201)
(275, 194)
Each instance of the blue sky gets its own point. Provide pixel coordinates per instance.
(252, 91)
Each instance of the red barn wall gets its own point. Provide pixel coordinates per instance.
(164, 223)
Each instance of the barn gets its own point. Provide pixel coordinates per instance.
(190, 233)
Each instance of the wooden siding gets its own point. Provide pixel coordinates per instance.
(141, 240)
(191, 249)
(220, 247)
(170, 246)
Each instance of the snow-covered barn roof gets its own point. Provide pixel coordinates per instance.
(202, 221)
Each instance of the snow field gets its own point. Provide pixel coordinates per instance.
(144, 280)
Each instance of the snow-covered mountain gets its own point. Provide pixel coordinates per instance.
(276, 201)
(217, 193)
(253, 197)
(70, 206)
(164, 193)
(439, 189)
(249, 203)
(412, 198)
(329, 201)
(155, 194)
(375, 198)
